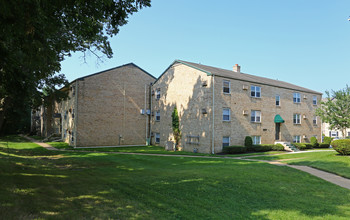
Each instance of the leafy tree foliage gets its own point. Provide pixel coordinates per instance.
(336, 110)
(176, 126)
(36, 35)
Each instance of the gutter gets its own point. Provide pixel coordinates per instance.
(213, 110)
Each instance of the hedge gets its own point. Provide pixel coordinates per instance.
(327, 140)
(342, 146)
(300, 146)
(268, 147)
(234, 149)
(323, 145)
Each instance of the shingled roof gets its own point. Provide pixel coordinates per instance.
(209, 70)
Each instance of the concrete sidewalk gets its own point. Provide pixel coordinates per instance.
(330, 177)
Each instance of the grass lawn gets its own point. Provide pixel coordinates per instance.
(150, 150)
(329, 161)
(36, 183)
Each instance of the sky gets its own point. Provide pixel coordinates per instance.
(303, 42)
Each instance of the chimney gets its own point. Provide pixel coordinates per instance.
(237, 68)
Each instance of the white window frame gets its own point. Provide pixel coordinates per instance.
(333, 133)
(314, 100)
(226, 141)
(157, 94)
(255, 91)
(297, 119)
(226, 110)
(226, 87)
(296, 97)
(314, 121)
(157, 115)
(278, 100)
(256, 140)
(255, 115)
(297, 139)
(157, 138)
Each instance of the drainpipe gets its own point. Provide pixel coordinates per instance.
(76, 114)
(150, 114)
(213, 110)
(145, 112)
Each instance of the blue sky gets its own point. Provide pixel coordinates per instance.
(304, 42)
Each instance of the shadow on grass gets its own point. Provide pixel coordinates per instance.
(93, 185)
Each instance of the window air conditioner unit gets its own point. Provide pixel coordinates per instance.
(304, 116)
(245, 112)
(142, 111)
(152, 93)
(148, 111)
(245, 87)
(304, 136)
(305, 97)
(205, 84)
(204, 111)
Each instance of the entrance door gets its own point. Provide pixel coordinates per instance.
(278, 129)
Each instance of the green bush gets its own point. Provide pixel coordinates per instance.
(323, 145)
(267, 147)
(278, 147)
(308, 145)
(327, 140)
(234, 149)
(300, 146)
(342, 146)
(248, 141)
(313, 141)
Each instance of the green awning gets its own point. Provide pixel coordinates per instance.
(278, 119)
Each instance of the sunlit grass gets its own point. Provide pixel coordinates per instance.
(95, 185)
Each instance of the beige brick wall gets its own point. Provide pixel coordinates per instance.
(182, 86)
(108, 108)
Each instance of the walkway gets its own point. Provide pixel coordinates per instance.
(335, 179)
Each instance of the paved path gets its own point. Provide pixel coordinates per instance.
(335, 179)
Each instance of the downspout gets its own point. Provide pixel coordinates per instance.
(213, 110)
(150, 114)
(76, 114)
(145, 112)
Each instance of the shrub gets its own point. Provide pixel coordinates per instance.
(234, 149)
(308, 146)
(342, 146)
(313, 141)
(262, 147)
(278, 147)
(300, 146)
(248, 141)
(327, 140)
(323, 145)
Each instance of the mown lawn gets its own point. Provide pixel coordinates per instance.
(151, 150)
(329, 161)
(36, 183)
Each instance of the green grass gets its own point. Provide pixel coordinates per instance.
(37, 183)
(329, 161)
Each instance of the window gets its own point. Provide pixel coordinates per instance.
(72, 136)
(158, 94)
(296, 118)
(192, 139)
(278, 100)
(65, 115)
(348, 133)
(256, 140)
(255, 116)
(65, 134)
(315, 120)
(314, 100)
(226, 114)
(296, 139)
(157, 138)
(73, 113)
(157, 115)
(225, 141)
(226, 86)
(255, 91)
(333, 133)
(296, 97)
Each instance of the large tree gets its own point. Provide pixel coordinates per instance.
(36, 35)
(335, 110)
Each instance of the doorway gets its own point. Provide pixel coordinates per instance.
(278, 131)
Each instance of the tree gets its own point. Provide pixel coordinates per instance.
(176, 127)
(36, 35)
(336, 110)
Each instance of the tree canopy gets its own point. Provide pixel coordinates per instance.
(36, 35)
(335, 110)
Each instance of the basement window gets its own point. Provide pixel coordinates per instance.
(192, 139)
(296, 139)
(256, 140)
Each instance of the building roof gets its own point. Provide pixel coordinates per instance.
(209, 70)
(128, 64)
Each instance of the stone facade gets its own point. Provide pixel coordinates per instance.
(104, 109)
(191, 90)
